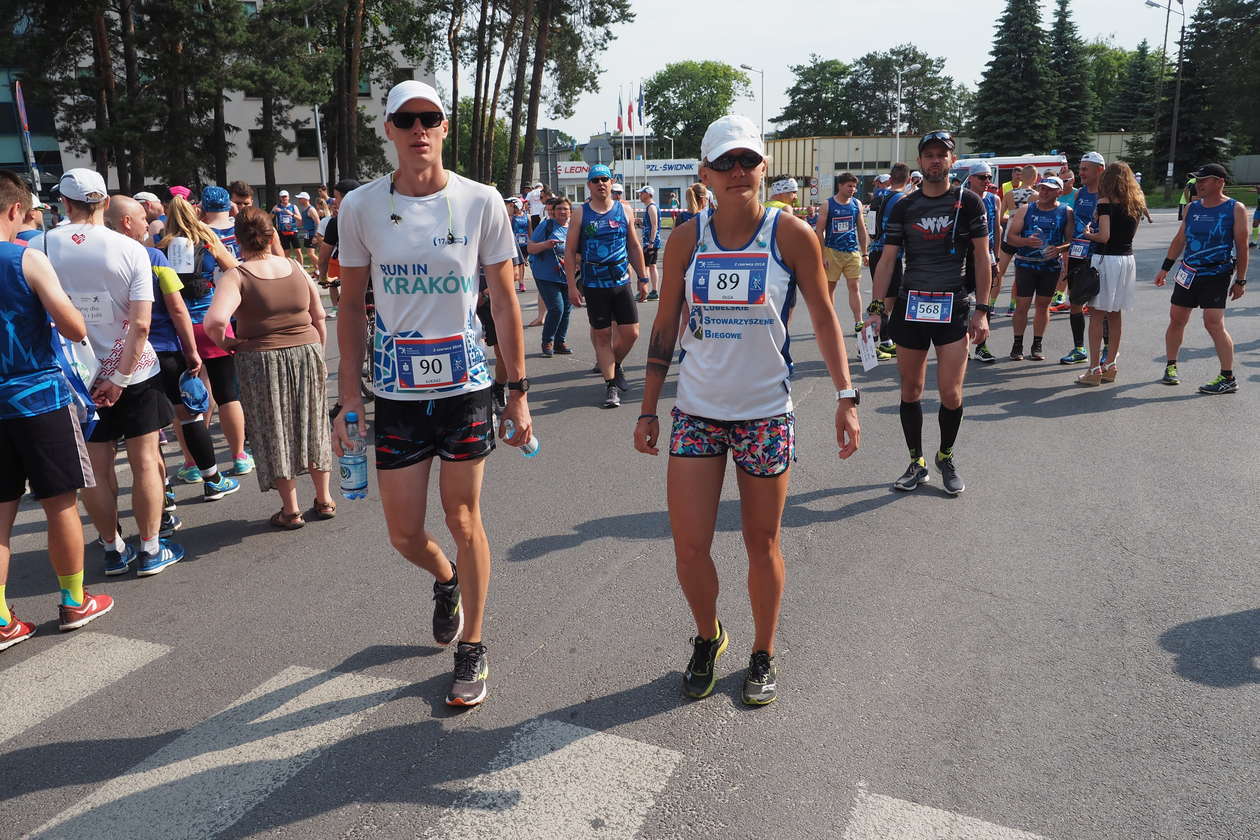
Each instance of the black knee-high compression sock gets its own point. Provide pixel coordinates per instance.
(1077, 319)
(200, 446)
(912, 427)
(950, 419)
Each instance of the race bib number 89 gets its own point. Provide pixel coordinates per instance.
(430, 362)
(730, 279)
(930, 307)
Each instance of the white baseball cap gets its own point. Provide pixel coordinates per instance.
(536, 185)
(916, 174)
(410, 89)
(1093, 157)
(284, 193)
(37, 203)
(1051, 181)
(979, 167)
(147, 196)
(514, 200)
(730, 132)
(883, 179)
(647, 189)
(85, 185)
(303, 194)
(617, 187)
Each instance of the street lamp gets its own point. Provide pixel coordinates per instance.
(671, 145)
(900, 70)
(762, 73)
(1181, 48)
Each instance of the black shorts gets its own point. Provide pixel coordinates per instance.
(288, 239)
(459, 428)
(306, 240)
(650, 254)
(1033, 281)
(141, 409)
(894, 285)
(46, 450)
(608, 305)
(486, 316)
(919, 336)
(224, 386)
(171, 367)
(1205, 292)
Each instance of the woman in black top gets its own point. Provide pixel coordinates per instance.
(1120, 206)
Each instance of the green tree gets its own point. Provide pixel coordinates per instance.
(1107, 64)
(818, 103)
(1016, 88)
(1068, 70)
(688, 95)
(929, 98)
(1132, 107)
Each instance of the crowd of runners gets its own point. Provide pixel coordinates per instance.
(113, 318)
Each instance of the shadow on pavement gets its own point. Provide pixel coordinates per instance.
(1219, 651)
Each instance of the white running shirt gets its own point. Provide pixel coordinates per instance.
(735, 363)
(424, 273)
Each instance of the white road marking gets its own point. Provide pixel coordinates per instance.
(878, 817)
(38, 688)
(557, 780)
(209, 777)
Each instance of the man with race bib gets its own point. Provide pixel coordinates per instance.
(842, 232)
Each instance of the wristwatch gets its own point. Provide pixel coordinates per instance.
(849, 394)
(521, 385)
(983, 307)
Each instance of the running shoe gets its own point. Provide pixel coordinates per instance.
(613, 397)
(468, 685)
(1037, 353)
(701, 673)
(15, 631)
(982, 354)
(170, 524)
(884, 352)
(595, 369)
(619, 378)
(1017, 353)
(168, 499)
(857, 328)
(950, 479)
(242, 466)
(1010, 308)
(168, 553)
(1170, 375)
(760, 680)
(653, 296)
(94, 606)
(1222, 384)
(119, 562)
(1077, 356)
(224, 486)
(448, 612)
(915, 474)
(189, 474)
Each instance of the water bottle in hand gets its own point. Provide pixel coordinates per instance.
(530, 448)
(354, 462)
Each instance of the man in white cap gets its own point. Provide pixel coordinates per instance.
(537, 205)
(309, 225)
(421, 236)
(287, 221)
(916, 178)
(32, 222)
(651, 243)
(1041, 232)
(978, 178)
(155, 213)
(109, 279)
(1083, 213)
(783, 192)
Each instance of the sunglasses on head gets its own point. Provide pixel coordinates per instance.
(406, 119)
(937, 136)
(746, 160)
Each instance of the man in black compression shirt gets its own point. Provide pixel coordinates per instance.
(935, 226)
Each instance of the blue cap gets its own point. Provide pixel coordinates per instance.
(599, 171)
(215, 200)
(193, 393)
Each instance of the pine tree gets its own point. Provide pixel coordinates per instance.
(1016, 113)
(1076, 105)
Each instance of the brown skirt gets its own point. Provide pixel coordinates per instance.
(284, 394)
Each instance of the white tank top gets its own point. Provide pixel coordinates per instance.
(735, 363)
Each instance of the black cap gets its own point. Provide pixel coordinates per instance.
(1211, 170)
(938, 136)
(345, 185)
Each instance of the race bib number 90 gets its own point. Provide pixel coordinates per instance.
(730, 279)
(430, 362)
(930, 307)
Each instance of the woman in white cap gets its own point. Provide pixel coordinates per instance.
(732, 275)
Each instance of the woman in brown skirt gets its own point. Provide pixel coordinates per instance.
(279, 348)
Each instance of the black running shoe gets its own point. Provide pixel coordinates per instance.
(915, 474)
(760, 680)
(1037, 353)
(448, 611)
(701, 673)
(612, 398)
(468, 684)
(1017, 353)
(619, 378)
(950, 479)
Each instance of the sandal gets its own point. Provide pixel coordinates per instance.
(287, 521)
(1109, 372)
(320, 510)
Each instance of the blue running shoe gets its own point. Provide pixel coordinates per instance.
(189, 474)
(167, 553)
(242, 466)
(168, 504)
(119, 562)
(216, 489)
(170, 524)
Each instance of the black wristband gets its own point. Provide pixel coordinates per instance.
(1168, 264)
(983, 307)
(648, 417)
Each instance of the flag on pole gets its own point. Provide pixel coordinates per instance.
(630, 114)
(642, 110)
(619, 109)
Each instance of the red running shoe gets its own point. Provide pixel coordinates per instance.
(94, 606)
(15, 631)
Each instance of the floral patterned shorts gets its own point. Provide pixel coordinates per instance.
(762, 448)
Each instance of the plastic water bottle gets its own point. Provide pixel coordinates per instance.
(530, 449)
(354, 462)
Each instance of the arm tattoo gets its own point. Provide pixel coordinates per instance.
(660, 352)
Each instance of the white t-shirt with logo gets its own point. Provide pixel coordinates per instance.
(103, 272)
(536, 205)
(425, 272)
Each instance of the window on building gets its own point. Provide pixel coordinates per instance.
(307, 143)
(255, 143)
(365, 86)
(403, 74)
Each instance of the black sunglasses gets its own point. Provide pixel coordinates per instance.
(406, 119)
(983, 177)
(746, 160)
(937, 136)
(601, 180)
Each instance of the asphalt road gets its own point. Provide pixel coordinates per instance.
(1067, 651)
